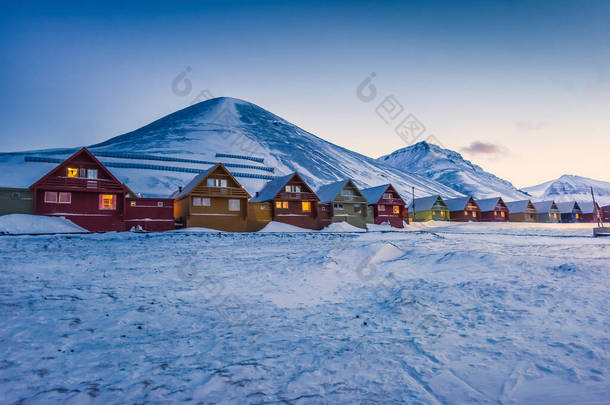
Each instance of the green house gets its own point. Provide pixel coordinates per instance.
(15, 201)
(431, 208)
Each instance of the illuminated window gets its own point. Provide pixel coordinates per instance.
(502, 214)
(465, 212)
(72, 172)
(396, 209)
(65, 198)
(92, 173)
(577, 216)
(442, 213)
(495, 213)
(306, 206)
(474, 214)
(387, 196)
(381, 207)
(50, 196)
(234, 205)
(433, 212)
(281, 204)
(555, 215)
(357, 208)
(107, 202)
(133, 203)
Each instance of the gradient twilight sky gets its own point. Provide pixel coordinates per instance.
(530, 80)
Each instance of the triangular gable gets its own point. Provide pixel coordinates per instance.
(63, 165)
(201, 178)
(328, 192)
(490, 204)
(426, 203)
(275, 187)
(515, 207)
(460, 203)
(374, 194)
(545, 206)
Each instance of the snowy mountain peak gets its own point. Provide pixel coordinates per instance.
(570, 187)
(450, 168)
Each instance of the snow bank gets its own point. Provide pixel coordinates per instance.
(342, 227)
(16, 224)
(274, 226)
(385, 227)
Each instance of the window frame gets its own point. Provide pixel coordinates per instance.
(64, 193)
(101, 206)
(70, 171)
(51, 193)
(230, 200)
(306, 204)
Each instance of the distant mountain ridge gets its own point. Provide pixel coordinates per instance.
(451, 169)
(571, 188)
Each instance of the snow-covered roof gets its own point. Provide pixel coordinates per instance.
(517, 206)
(328, 192)
(586, 207)
(567, 206)
(544, 206)
(373, 194)
(488, 204)
(425, 203)
(272, 188)
(192, 184)
(457, 204)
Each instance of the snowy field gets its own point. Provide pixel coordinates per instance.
(467, 313)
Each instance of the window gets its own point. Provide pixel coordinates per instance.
(381, 207)
(234, 205)
(15, 196)
(107, 202)
(396, 209)
(159, 203)
(50, 196)
(442, 213)
(387, 195)
(201, 202)
(281, 204)
(503, 214)
(133, 203)
(214, 182)
(338, 206)
(347, 193)
(433, 213)
(357, 208)
(306, 206)
(555, 215)
(465, 212)
(72, 172)
(292, 188)
(495, 213)
(577, 216)
(82, 172)
(65, 198)
(474, 214)
(92, 174)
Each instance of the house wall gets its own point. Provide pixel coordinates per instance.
(348, 213)
(549, 217)
(606, 213)
(294, 214)
(16, 201)
(523, 216)
(465, 215)
(437, 213)
(152, 214)
(259, 215)
(571, 217)
(217, 215)
(387, 215)
(495, 215)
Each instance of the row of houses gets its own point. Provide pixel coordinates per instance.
(83, 190)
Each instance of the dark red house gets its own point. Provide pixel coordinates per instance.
(292, 201)
(84, 191)
(493, 210)
(387, 205)
(463, 209)
(589, 211)
(606, 213)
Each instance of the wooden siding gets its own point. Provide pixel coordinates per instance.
(16, 201)
(152, 214)
(294, 213)
(387, 214)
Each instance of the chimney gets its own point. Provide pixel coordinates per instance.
(179, 189)
(256, 195)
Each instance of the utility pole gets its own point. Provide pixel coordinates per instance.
(413, 203)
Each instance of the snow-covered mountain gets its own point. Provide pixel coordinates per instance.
(252, 142)
(571, 188)
(451, 169)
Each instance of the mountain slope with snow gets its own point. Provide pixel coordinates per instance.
(235, 129)
(451, 169)
(571, 188)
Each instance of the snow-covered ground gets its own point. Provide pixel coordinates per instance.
(450, 314)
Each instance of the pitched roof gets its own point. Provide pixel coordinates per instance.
(425, 203)
(328, 192)
(515, 207)
(192, 184)
(488, 204)
(373, 194)
(544, 206)
(586, 207)
(457, 204)
(272, 188)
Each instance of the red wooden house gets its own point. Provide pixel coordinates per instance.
(84, 191)
(292, 201)
(493, 210)
(606, 213)
(387, 205)
(463, 209)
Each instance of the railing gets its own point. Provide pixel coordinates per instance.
(297, 196)
(221, 191)
(82, 183)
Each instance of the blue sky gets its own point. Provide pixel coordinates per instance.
(530, 80)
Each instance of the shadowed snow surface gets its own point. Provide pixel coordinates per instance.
(465, 314)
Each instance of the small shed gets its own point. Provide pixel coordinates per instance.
(589, 211)
(431, 208)
(493, 210)
(16, 201)
(342, 201)
(149, 213)
(463, 209)
(547, 211)
(292, 201)
(212, 199)
(387, 205)
(570, 211)
(522, 211)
